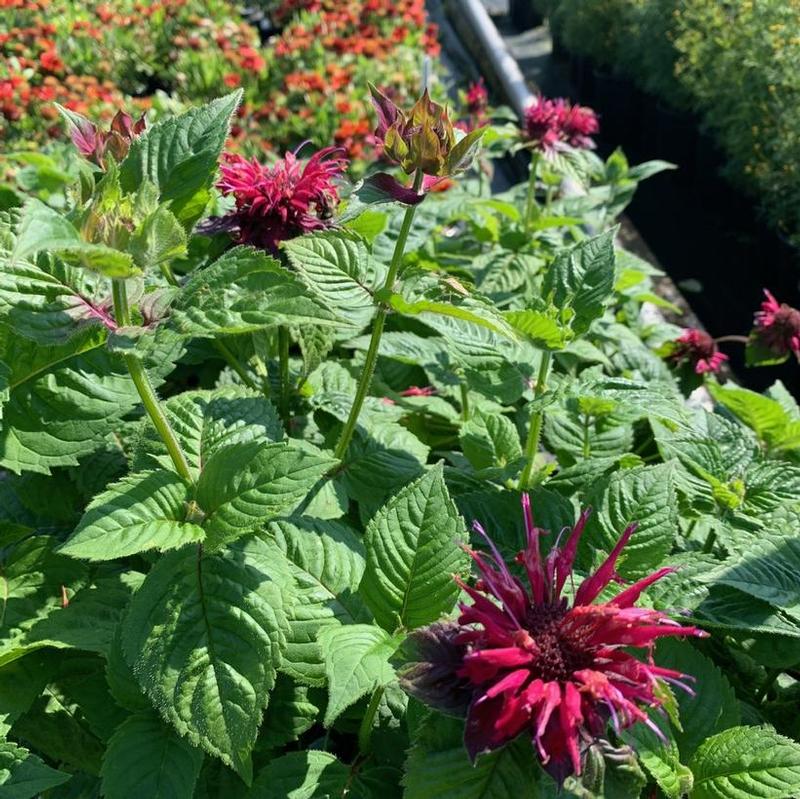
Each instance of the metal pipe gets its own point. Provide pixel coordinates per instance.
(473, 15)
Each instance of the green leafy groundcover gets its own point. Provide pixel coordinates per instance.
(212, 598)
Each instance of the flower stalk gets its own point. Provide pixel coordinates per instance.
(145, 388)
(530, 200)
(377, 328)
(283, 372)
(365, 730)
(537, 417)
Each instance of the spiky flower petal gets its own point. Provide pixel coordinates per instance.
(278, 202)
(699, 350)
(523, 659)
(777, 327)
(551, 125)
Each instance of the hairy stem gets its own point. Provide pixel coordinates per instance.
(230, 358)
(145, 388)
(530, 200)
(587, 446)
(283, 373)
(535, 431)
(772, 675)
(377, 328)
(711, 539)
(464, 401)
(365, 730)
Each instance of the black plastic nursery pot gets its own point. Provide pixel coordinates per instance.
(618, 103)
(524, 15)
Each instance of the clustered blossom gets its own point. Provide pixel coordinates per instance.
(522, 659)
(551, 125)
(699, 350)
(476, 106)
(777, 327)
(279, 202)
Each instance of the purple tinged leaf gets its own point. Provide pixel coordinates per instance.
(386, 110)
(383, 187)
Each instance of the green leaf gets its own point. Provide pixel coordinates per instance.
(64, 399)
(204, 635)
(145, 758)
(289, 714)
(45, 306)
(662, 760)
(90, 620)
(356, 663)
(243, 291)
(646, 496)
(247, 484)
(33, 583)
(727, 608)
(326, 560)
(773, 425)
(338, 270)
(438, 766)
(747, 762)
(206, 422)
(159, 239)
(490, 439)
(143, 511)
(769, 569)
(301, 775)
(412, 553)
(469, 309)
(23, 775)
(711, 708)
(542, 330)
(43, 229)
(179, 156)
(582, 278)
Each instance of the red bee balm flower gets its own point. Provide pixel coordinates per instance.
(521, 659)
(552, 124)
(777, 327)
(699, 349)
(279, 202)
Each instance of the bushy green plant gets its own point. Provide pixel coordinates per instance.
(740, 63)
(239, 479)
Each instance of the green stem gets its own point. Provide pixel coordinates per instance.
(711, 539)
(147, 394)
(464, 401)
(377, 328)
(548, 200)
(530, 200)
(283, 365)
(166, 270)
(365, 730)
(587, 448)
(230, 358)
(535, 431)
(772, 675)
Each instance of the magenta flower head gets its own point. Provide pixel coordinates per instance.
(699, 350)
(524, 660)
(279, 202)
(777, 328)
(552, 125)
(94, 144)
